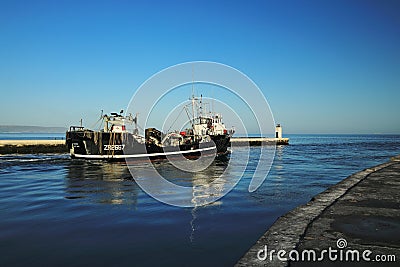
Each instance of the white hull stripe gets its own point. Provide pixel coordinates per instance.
(143, 155)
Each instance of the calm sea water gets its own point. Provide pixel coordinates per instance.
(60, 212)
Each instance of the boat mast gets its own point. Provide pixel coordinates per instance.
(201, 106)
(194, 133)
(193, 115)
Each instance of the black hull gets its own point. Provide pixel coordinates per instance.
(121, 146)
(222, 142)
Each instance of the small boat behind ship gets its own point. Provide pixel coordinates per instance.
(207, 135)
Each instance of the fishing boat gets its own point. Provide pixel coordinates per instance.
(207, 135)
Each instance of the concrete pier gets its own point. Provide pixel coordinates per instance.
(32, 146)
(258, 141)
(357, 215)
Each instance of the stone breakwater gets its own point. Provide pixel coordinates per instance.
(258, 141)
(32, 146)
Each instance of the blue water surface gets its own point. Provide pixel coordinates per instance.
(55, 211)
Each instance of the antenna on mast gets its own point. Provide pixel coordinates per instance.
(192, 82)
(201, 105)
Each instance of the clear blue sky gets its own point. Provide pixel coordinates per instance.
(324, 66)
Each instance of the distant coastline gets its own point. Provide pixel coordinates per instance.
(17, 129)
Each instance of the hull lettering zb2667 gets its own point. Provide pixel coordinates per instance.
(113, 147)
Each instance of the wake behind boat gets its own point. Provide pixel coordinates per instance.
(207, 135)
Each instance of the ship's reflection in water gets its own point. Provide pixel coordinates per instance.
(112, 183)
(206, 184)
(101, 182)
